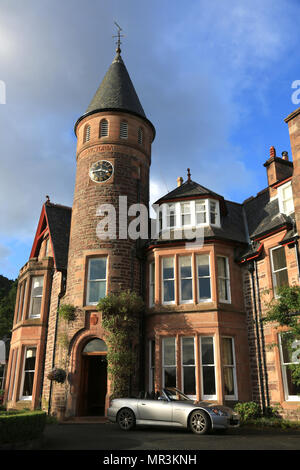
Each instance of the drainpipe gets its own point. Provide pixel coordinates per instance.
(60, 295)
(46, 338)
(262, 389)
(262, 335)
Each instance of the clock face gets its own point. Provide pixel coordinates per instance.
(101, 171)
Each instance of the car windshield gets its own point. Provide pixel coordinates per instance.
(176, 395)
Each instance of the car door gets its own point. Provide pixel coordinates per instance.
(155, 410)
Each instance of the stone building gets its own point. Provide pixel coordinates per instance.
(205, 296)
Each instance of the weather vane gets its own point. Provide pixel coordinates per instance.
(119, 36)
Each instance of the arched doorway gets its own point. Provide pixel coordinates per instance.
(93, 378)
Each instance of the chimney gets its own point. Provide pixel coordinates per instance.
(278, 169)
(293, 121)
(179, 181)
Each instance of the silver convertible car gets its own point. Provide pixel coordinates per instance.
(171, 407)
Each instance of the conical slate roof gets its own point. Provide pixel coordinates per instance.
(116, 91)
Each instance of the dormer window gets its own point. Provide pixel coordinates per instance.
(285, 199)
(202, 212)
(171, 216)
(185, 210)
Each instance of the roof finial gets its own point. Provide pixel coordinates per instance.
(119, 35)
(188, 174)
(47, 200)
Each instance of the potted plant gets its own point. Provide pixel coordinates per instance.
(57, 375)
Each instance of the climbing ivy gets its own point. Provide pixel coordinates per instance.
(285, 311)
(121, 318)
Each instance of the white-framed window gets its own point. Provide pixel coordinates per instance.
(202, 212)
(223, 279)
(103, 128)
(168, 280)
(208, 368)
(229, 368)
(188, 366)
(285, 198)
(151, 365)
(2, 376)
(37, 283)
(151, 283)
(22, 290)
(186, 279)
(28, 373)
(170, 215)
(185, 214)
(96, 282)
(169, 362)
(203, 278)
(13, 372)
(140, 136)
(289, 355)
(87, 133)
(200, 207)
(279, 268)
(123, 130)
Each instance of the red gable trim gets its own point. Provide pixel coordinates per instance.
(40, 232)
(281, 182)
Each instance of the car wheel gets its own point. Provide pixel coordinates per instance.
(126, 419)
(199, 422)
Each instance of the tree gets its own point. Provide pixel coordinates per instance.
(285, 311)
(8, 292)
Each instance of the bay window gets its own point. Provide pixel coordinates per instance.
(203, 278)
(28, 373)
(36, 295)
(200, 212)
(22, 290)
(208, 368)
(171, 216)
(151, 284)
(229, 369)
(168, 276)
(169, 362)
(186, 279)
(188, 366)
(96, 283)
(223, 279)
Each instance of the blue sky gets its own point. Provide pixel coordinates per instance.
(214, 78)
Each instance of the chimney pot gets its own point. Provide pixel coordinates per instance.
(272, 152)
(179, 181)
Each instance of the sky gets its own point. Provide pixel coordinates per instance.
(215, 78)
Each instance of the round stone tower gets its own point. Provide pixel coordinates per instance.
(113, 156)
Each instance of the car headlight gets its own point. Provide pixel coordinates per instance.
(219, 412)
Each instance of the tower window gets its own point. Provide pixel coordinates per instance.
(104, 128)
(96, 286)
(140, 136)
(87, 133)
(124, 130)
(36, 296)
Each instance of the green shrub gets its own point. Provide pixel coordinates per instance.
(67, 312)
(248, 410)
(21, 427)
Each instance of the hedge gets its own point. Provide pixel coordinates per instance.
(21, 427)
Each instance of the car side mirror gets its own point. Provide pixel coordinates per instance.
(162, 399)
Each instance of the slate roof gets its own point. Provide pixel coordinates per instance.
(188, 189)
(59, 221)
(242, 223)
(116, 91)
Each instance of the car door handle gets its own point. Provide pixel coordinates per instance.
(144, 404)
